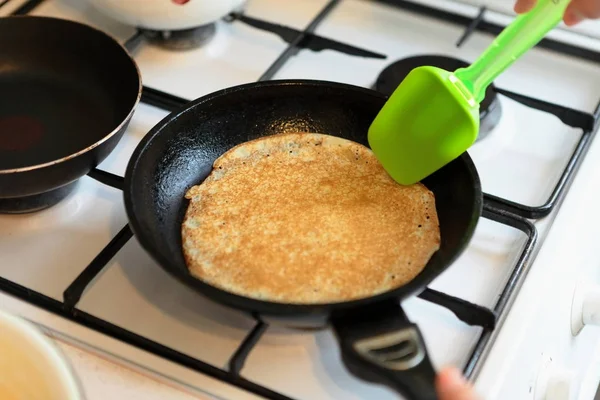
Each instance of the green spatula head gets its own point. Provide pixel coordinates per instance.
(428, 121)
(433, 115)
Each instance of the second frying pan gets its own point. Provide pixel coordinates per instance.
(67, 94)
(378, 342)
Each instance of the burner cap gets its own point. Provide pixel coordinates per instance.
(184, 39)
(389, 79)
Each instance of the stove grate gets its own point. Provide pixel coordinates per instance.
(469, 313)
(496, 209)
(26, 7)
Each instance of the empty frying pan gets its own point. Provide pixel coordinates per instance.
(68, 92)
(377, 340)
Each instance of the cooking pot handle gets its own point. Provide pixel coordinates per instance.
(379, 344)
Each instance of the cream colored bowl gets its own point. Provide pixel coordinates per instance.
(31, 366)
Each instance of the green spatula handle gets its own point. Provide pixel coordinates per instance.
(518, 37)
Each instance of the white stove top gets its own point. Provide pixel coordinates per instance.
(521, 161)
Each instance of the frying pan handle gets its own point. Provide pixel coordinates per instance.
(379, 344)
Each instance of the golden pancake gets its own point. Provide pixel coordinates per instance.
(306, 218)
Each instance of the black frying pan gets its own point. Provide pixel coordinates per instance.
(67, 93)
(378, 342)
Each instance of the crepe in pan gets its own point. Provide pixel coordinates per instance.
(306, 218)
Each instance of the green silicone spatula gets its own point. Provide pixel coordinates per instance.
(433, 115)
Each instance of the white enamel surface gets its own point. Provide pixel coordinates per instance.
(539, 325)
(103, 378)
(520, 160)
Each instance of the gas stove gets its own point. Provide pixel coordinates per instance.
(510, 309)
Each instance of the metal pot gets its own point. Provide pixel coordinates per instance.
(161, 15)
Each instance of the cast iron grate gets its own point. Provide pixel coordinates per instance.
(26, 7)
(469, 313)
(573, 118)
(298, 40)
(496, 209)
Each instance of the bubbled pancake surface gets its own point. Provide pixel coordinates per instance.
(306, 218)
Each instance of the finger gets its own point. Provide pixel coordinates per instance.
(572, 16)
(451, 385)
(523, 6)
(579, 10)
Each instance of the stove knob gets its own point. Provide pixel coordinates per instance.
(560, 385)
(555, 382)
(585, 309)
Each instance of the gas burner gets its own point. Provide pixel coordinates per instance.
(490, 108)
(184, 39)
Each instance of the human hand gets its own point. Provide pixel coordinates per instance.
(450, 385)
(577, 10)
